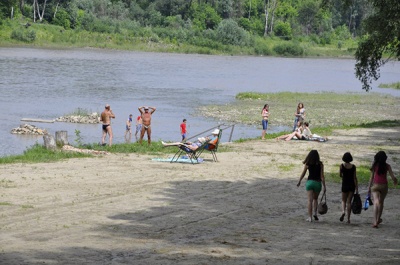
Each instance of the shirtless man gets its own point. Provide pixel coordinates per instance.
(146, 122)
(105, 118)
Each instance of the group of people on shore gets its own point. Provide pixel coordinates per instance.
(299, 119)
(301, 130)
(377, 185)
(143, 124)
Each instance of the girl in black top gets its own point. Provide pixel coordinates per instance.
(315, 181)
(349, 184)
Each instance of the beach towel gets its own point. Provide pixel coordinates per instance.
(182, 159)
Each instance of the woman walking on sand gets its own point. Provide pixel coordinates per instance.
(315, 181)
(378, 184)
(264, 122)
(349, 184)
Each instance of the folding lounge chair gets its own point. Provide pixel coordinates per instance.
(193, 155)
(214, 148)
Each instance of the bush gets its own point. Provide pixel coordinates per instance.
(283, 30)
(261, 48)
(23, 35)
(229, 32)
(289, 49)
(62, 19)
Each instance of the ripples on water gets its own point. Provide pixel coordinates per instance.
(45, 84)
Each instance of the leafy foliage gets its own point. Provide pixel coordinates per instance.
(229, 32)
(24, 35)
(383, 28)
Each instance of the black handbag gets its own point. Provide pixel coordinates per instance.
(356, 204)
(322, 206)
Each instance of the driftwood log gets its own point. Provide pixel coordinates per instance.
(61, 138)
(49, 142)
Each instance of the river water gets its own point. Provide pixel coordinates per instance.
(48, 83)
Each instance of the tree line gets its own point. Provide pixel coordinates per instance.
(283, 18)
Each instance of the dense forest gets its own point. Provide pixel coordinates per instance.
(203, 22)
(366, 29)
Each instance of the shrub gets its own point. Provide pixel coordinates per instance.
(23, 35)
(261, 47)
(229, 32)
(289, 49)
(62, 19)
(283, 30)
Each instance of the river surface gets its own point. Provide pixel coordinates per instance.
(47, 83)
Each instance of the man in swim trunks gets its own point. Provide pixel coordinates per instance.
(105, 118)
(146, 113)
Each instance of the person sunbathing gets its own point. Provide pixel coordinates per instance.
(211, 142)
(191, 145)
(298, 133)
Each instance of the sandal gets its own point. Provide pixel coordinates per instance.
(342, 217)
(380, 221)
(316, 218)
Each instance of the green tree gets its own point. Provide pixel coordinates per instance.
(381, 43)
(307, 15)
(7, 8)
(204, 16)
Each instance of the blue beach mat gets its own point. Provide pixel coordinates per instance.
(182, 159)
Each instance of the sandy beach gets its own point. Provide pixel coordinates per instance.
(244, 209)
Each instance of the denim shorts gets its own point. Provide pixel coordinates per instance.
(264, 124)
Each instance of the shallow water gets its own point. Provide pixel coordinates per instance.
(46, 84)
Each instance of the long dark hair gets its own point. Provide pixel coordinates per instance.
(312, 158)
(298, 107)
(380, 162)
(265, 107)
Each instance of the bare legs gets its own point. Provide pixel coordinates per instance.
(378, 208)
(110, 135)
(312, 205)
(263, 134)
(148, 129)
(346, 205)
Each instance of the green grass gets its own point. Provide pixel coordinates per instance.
(391, 85)
(323, 110)
(39, 154)
(363, 175)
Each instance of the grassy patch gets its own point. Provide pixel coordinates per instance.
(324, 111)
(5, 204)
(391, 85)
(363, 175)
(38, 154)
